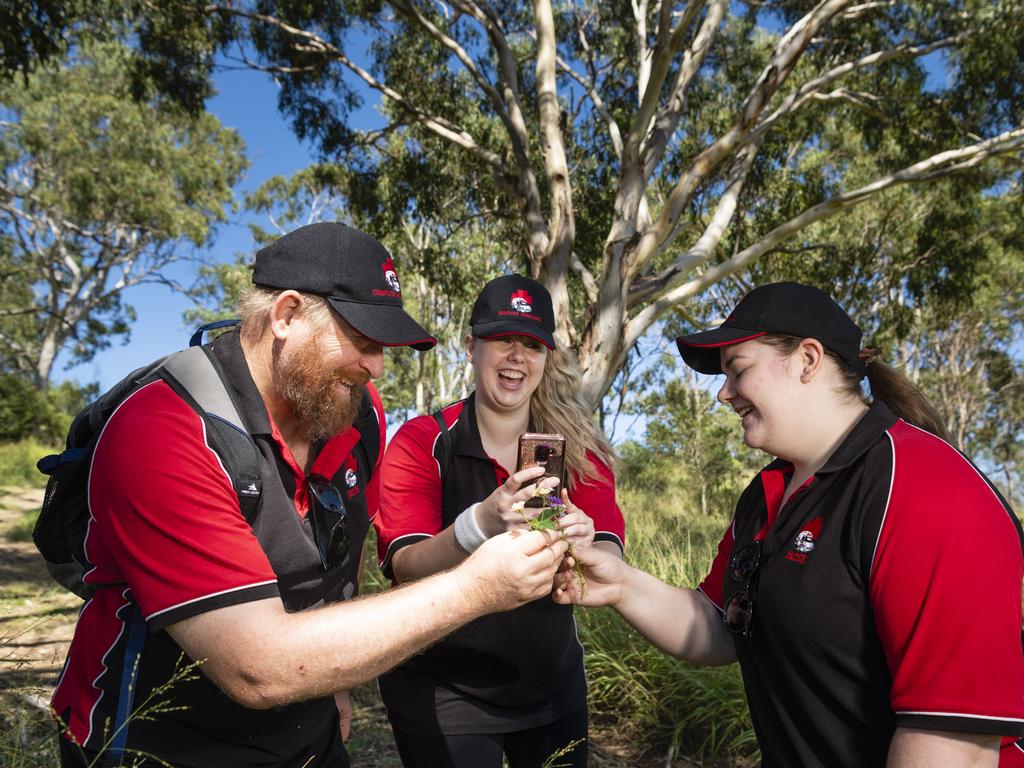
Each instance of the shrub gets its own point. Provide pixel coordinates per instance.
(18, 463)
(28, 412)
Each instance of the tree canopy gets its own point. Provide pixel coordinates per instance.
(632, 155)
(99, 192)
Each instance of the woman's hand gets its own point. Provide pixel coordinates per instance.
(604, 578)
(500, 511)
(576, 524)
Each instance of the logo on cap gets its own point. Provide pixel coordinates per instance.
(391, 276)
(522, 302)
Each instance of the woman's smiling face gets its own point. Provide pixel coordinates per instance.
(508, 369)
(762, 386)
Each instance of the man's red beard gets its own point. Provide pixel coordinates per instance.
(308, 386)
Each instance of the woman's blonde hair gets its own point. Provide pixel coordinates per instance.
(557, 406)
(887, 384)
(255, 303)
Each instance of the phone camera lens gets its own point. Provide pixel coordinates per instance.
(542, 453)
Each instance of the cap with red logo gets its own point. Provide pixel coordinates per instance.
(514, 305)
(787, 308)
(352, 271)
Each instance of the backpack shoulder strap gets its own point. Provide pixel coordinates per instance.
(444, 460)
(193, 375)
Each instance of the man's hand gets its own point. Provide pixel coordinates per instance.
(343, 701)
(513, 568)
(604, 574)
(499, 512)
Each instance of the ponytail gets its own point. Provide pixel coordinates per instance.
(888, 385)
(905, 399)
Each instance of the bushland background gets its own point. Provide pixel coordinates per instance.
(649, 161)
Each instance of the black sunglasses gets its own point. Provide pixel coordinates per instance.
(330, 521)
(739, 608)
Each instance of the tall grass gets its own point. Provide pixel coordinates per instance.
(18, 463)
(640, 694)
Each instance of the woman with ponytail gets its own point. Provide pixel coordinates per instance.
(869, 584)
(510, 685)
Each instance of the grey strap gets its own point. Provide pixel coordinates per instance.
(194, 371)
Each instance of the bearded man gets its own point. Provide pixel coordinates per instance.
(256, 602)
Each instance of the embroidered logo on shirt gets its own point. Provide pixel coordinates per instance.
(804, 542)
(350, 478)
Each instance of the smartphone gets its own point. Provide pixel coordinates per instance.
(537, 449)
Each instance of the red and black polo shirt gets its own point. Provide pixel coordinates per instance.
(503, 672)
(888, 595)
(168, 541)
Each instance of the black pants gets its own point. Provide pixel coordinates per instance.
(525, 749)
(73, 756)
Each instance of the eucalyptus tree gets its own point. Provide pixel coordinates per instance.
(99, 192)
(634, 154)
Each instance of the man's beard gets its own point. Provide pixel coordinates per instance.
(308, 387)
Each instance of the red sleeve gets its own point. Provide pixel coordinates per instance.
(596, 497)
(164, 517)
(410, 490)
(1011, 754)
(713, 585)
(945, 588)
(373, 487)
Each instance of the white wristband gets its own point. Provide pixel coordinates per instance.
(467, 530)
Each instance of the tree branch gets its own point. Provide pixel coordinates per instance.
(938, 166)
(784, 58)
(656, 142)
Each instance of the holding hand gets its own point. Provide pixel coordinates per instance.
(576, 524)
(499, 511)
(603, 576)
(514, 568)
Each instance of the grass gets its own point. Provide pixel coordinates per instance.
(640, 694)
(18, 464)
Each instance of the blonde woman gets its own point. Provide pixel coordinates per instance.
(510, 684)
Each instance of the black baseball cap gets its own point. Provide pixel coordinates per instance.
(514, 305)
(352, 271)
(790, 308)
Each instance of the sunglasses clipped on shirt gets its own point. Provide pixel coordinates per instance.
(739, 608)
(329, 521)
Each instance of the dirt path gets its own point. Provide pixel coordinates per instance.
(37, 620)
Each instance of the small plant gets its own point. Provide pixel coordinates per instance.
(548, 519)
(559, 754)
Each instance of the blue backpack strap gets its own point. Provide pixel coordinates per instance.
(115, 753)
(197, 338)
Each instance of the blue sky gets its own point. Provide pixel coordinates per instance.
(246, 101)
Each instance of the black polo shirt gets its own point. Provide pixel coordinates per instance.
(504, 672)
(166, 527)
(888, 594)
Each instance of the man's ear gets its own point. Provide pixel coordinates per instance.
(283, 313)
(811, 356)
(470, 346)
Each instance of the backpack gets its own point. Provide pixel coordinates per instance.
(60, 530)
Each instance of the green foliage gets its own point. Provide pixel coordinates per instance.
(102, 193)
(28, 412)
(18, 463)
(637, 692)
